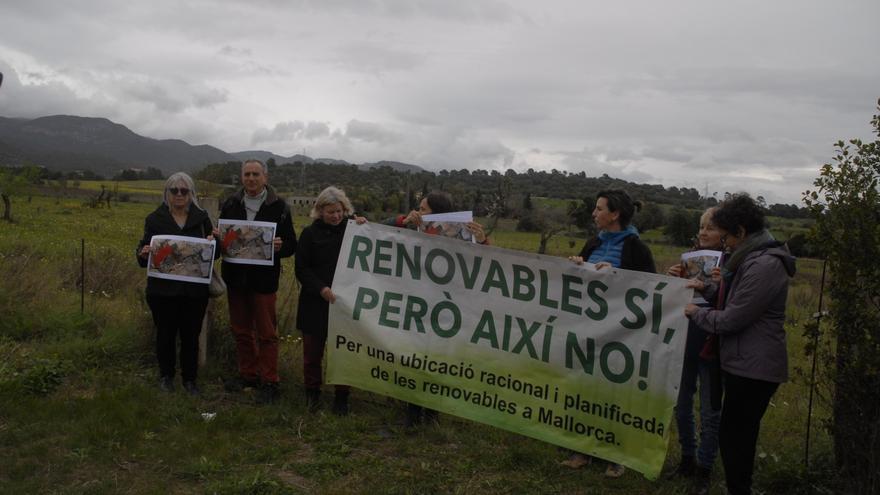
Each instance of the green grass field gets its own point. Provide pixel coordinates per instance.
(80, 411)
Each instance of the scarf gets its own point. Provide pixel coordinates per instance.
(252, 204)
(751, 243)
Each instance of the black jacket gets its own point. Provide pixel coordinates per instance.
(160, 222)
(256, 278)
(635, 255)
(316, 255)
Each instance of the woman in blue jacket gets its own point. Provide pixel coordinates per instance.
(617, 245)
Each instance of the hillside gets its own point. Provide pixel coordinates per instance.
(66, 143)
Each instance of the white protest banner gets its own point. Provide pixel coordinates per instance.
(583, 358)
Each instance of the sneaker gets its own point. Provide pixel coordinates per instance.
(577, 460)
(614, 470)
(191, 388)
(313, 400)
(240, 384)
(166, 384)
(269, 393)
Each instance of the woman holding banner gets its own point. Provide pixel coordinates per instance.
(316, 255)
(433, 203)
(617, 245)
(700, 364)
(177, 306)
(751, 327)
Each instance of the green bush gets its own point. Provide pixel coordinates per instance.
(44, 376)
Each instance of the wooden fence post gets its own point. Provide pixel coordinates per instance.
(212, 206)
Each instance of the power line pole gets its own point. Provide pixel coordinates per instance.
(302, 173)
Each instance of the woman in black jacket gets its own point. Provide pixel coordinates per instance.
(617, 245)
(178, 307)
(316, 254)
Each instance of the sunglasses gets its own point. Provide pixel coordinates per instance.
(178, 190)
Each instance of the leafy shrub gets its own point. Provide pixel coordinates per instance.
(44, 376)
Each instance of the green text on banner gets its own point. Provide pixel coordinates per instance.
(583, 358)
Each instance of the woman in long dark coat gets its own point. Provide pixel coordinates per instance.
(316, 254)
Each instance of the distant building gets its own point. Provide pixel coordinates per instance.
(301, 205)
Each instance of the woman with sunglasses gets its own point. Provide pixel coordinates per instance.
(178, 307)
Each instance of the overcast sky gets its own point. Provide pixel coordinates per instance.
(720, 96)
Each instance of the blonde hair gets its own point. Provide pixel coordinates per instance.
(331, 196)
(181, 178)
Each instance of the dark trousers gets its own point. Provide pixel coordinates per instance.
(178, 317)
(704, 451)
(745, 401)
(255, 327)
(313, 354)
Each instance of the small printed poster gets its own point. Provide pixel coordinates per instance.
(187, 259)
(247, 243)
(699, 264)
(452, 225)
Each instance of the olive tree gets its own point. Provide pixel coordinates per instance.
(846, 205)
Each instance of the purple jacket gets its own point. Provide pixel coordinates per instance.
(752, 324)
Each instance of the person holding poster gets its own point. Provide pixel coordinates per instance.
(617, 245)
(751, 326)
(433, 203)
(703, 367)
(316, 256)
(177, 306)
(251, 288)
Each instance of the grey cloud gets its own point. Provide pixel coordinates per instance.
(283, 131)
(840, 87)
(370, 132)
(316, 130)
(169, 96)
(291, 131)
(590, 160)
(670, 154)
(231, 51)
(496, 101)
(208, 97)
(37, 100)
(375, 59)
(442, 10)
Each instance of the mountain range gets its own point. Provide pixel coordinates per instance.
(67, 143)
